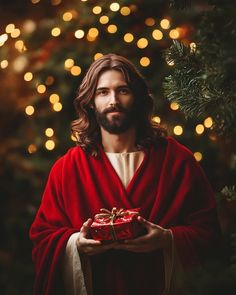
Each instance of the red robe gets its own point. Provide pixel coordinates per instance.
(169, 187)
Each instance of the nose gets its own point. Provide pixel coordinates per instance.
(113, 99)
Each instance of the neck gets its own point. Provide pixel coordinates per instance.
(119, 143)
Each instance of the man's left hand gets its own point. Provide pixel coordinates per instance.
(156, 238)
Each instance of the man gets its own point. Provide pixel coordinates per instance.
(122, 160)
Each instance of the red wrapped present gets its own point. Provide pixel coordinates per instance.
(115, 225)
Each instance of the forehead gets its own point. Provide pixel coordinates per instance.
(111, 78)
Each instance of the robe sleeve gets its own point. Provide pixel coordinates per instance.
(49, 233)
(197, 236)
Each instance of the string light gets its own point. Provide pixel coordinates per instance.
(208, 122)
(41, 88)
(198, 156)
(97, 55)
(79, 34)
(50, 144)
(75, 70)
(4, 64)
(193, 47)
(104, 19)
(174, 34)
(142, 43)
(55, 32)
(69, 63)
(32, 148)
(97, 9)
(54, 98)
(165, 23)
(199, 129)
(128, 37)
(20, 46)
(28, 76)
(16, 33)
(10, 28)
(170, 62)
(57, 107)
(35, 1)
(67, 16)
(55, 2)
(114, 6)
(145, 61)
(49, 132)
(29, 110)
(20, 63)
(178, 130)
(149, 22)
(29, 26)
(156, 119)
(125, 11)
(3, 39)
(112, 29)
(174, 106)
(93, 32)
(157, 34)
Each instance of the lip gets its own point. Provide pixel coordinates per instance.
(115, 113)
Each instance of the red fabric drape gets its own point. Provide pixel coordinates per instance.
(169, 187)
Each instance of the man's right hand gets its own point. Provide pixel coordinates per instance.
(90, 246)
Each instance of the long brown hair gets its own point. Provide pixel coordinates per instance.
(86, 129)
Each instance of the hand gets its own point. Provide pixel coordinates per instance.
(156, 238)
(90, 246)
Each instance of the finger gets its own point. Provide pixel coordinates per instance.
(85, 227)
(145, 222)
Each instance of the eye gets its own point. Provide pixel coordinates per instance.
(102, 92)
(124, 91)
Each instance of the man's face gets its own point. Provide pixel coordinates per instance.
(114, 103)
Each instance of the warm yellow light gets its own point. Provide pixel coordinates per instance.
(170, 62)
(50, 144)
(142, 43)
(49, 132)
(75, 70)
(174, 106)
(10, 28)
(178, 130)
(165, 23)
(28, 76)
(104, 19)
(20, 63)
(50, 80)
(174, 34)
(128, 37)
(208, 122)
(3, 38)
(79, 34)
(115, 6)
(97, 55)
(193, 47)
(125, 10)
(56, 32)
(20, 46)
(97, 9)
(35, 1)
(4, 64)
(93, 32)
(199, 129)
(112, 29)
(150, 21)
(156, 119)
(57, 107)
(54, 98)
(29, 26)
(67, 16)
(69, 63)
(32, 148)
(16, 33)
(29, 110)
(41, 88)
(73, 138)
(157, 34)
(145, 61)
(198, 156)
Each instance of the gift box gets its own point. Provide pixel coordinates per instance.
(116, 225)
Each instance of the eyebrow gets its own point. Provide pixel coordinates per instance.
(118, 87)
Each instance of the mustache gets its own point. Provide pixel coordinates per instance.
(116, 108)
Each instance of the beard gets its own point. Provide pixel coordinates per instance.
(119, 123)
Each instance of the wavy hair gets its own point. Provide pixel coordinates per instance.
(86, 129)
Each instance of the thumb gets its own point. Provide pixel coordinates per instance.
(85, 227)
(145, 222)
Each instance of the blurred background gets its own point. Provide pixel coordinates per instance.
(185, 50)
